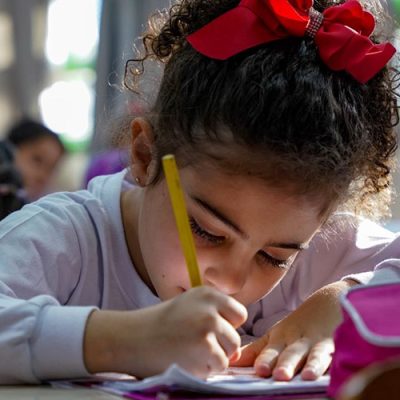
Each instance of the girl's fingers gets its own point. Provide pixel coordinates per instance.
(267, 359)
(215, 361)
(228, 338)
(284, 361)
(250, 352)
(319, 360)
(291, 359)
(232, 310)
(235, 357)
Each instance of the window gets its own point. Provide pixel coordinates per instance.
(67, 102)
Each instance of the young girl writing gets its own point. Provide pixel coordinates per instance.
(276, 124)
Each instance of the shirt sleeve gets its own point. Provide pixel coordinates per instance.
(387, 266)
(354, 250)
(387, 271)
(40, 265)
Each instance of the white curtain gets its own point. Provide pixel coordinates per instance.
(122, 22)
(22, 78)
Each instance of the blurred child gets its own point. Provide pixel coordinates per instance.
(279, 116)
(38, 151)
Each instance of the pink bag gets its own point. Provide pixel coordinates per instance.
(370, 331)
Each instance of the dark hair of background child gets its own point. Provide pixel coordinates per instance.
(27, 131)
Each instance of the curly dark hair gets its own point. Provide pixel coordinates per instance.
(274, 111)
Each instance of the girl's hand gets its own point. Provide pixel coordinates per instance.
(195, 330)
(303, 341)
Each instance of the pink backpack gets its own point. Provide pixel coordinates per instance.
(369, 333)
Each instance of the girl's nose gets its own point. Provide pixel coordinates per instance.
(227, 278)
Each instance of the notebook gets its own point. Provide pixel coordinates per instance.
(233, 382)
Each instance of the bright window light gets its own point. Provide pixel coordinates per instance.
(67, 108)
(72, 30)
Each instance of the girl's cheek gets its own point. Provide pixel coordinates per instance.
(260, 286)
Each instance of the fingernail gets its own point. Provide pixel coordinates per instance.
(309, 374)
(263, 370)
(282, 374)
(235, 356)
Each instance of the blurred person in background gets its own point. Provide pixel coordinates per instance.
(12, 195)
(37, 151)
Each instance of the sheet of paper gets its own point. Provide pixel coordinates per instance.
(235, 381)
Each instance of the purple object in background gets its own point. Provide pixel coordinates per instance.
(106, 163)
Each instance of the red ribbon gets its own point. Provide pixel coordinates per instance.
(342, 40)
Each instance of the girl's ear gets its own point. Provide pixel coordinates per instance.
(142, 151)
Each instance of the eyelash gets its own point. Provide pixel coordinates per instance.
(273, 261)
(202, 233)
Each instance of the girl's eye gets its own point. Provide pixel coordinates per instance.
(203, 234)
(266, 258)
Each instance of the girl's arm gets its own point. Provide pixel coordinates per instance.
(195, 330)
(45, 334)
(39, 338)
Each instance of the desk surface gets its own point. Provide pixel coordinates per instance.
(49, 393)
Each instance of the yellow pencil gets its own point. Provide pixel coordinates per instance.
(181, 218)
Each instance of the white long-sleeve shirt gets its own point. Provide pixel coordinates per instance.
(66, 254)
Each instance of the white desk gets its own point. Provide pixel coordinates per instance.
(49, 393)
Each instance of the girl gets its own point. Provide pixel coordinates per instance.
(275, 128)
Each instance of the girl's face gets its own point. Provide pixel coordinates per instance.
(246, 234)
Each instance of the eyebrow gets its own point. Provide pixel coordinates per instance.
(226, 221)
(218, 214)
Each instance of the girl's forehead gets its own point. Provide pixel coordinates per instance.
(210, 181)
(261, 211)
(217, 182)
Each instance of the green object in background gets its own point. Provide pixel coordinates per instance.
(395, 6)
(73, 145)
(75, 63)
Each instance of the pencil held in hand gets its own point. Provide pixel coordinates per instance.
(181, 218)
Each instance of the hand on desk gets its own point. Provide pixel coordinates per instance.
(301, 342)
(195, 330)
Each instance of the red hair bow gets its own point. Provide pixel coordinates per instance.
(341, 33)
